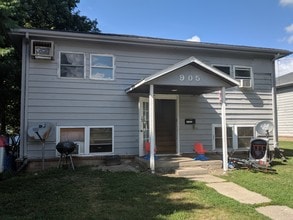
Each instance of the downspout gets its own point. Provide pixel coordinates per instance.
(24, 84)
(274, 99)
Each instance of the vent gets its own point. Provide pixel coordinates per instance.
(42, 49)
(245, 83)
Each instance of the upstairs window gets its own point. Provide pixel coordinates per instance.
(102, 67)
(242, 72)
(224, 68)
(72, 65)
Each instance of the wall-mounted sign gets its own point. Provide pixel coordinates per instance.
(189, 77)
(190, 121)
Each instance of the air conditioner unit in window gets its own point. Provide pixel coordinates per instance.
(245, 83)
(79, 148)
(42, 49)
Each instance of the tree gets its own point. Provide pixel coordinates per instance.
(43, 14)
(55, 15)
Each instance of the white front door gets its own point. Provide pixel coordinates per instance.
(144, 122)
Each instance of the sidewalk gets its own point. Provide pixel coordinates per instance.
(245, 196)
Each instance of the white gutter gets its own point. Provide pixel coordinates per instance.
(275, 107)
(146, 41)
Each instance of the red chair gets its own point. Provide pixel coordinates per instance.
(147, 149)
(200, 151)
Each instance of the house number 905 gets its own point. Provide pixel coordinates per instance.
(189, 78)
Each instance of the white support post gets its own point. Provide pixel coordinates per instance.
(224, 130)
(152, 127)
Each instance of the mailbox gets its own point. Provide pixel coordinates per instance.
(190, 121)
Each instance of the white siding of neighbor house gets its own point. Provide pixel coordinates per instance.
(87, 102)
(285, 111)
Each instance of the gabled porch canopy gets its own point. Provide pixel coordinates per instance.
(190, 76)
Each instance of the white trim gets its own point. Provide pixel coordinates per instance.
(140, 120)
(113, 67)
(159, 96)
(178, 65)
(86, 139)
(152, 128)
(234, 134)
(59, 65)
(224, 130)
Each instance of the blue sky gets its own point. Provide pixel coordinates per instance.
(260, 23)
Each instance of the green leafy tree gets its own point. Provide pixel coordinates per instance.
(55, 15)
(43, 14)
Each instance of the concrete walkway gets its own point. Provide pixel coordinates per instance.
(245, 196)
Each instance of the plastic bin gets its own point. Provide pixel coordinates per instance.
(2, 152)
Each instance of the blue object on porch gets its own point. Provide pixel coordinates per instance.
(201, 157)
(148, 157)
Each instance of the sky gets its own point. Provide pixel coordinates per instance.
(260, 23)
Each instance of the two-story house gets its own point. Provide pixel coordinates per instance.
(111, 94)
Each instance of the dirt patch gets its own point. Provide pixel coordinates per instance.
(286, 138)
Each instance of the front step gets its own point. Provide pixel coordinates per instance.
(190, 171)
(179, 164)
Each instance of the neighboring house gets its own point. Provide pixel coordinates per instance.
(285, 105)
(95, 90)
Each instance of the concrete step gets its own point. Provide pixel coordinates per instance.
(190, 171)
(205, 164)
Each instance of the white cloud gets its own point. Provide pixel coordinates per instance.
(194, 39)
(286, 2)
(290, 39)
(289, 28)
(285, 65)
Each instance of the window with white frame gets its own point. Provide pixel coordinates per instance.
(224, 68)
(101, 139)
(238, 136)
(244, 135)
(102, 67)
(218, 137)
(89, 139)
(72, 65)
(74, 134)
(242, 72)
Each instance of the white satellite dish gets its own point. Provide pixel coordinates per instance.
(264, 127)
(40, 131)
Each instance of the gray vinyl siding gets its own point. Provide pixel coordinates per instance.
(285, 111)
(87, 102)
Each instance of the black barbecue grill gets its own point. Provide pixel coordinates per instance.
(65, 149)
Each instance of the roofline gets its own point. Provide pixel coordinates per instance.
(139, 40)
(284, 85)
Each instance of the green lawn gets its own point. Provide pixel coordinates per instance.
(91, 194)
(88, 193)
(277, 187)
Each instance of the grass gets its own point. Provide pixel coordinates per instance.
(91, 194)
(278, 187)
(88, 193)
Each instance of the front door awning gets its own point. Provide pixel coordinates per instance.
(190, 76)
